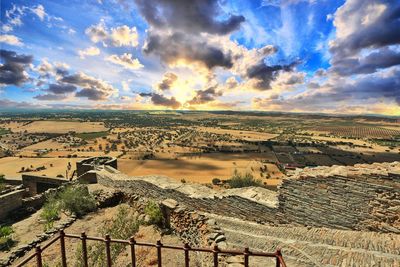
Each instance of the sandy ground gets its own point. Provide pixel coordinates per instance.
(201, 169)
(57, 127)
(10, 166)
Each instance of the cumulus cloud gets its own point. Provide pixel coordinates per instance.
(205, 96)
(119, 36)
(365, 32)
(10, 39)
(181, 15)
(167, 82)
(90, 51)
(264, 75)
(161, 100)
(13, 68)
(59, 89)
(126, 61)
(179, 46)
(92, 88)
(175, 38)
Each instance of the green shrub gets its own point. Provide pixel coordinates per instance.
(6, 240)
(154, 212)
(2, 182)
(77, 200)
(50, 213)
(73, 199)
(216, 181)
(239, 180)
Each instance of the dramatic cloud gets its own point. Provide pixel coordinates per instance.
(126, 61)
(10, 39)
(380, 59)
(264, 74)
(167, 82)
(12, 71)
(366, 24)
(332, 94)
(61, 88)
(179, 46)
(205, 96)
(90, 51)
(175, 38)
(194, 16)
(365, 32)
(93, 89)
(119, 36)
(161, 100)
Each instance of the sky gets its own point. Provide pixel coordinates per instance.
(318, 56)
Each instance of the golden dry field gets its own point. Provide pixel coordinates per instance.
(56, 127)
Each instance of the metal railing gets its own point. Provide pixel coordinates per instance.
(246, 253)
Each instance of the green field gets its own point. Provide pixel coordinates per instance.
(89, 136)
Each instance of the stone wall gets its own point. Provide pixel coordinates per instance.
(10, 202)
(346, 199)
(89, 164)
(38, 184)
(232, 206)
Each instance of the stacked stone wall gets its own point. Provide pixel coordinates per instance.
(10, 202)
(365, 202)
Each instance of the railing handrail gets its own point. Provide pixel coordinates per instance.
(132, 243)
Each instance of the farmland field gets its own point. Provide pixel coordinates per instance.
(58, 127)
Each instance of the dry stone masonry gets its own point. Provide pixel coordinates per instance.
(363, 197)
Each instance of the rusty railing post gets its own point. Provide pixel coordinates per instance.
(62, 245)
(246, 256)
(215, 253)
(133, 255)
(186, 248)
(84, 250)
(39, 256)
(108, 250)
(278, 260)
(159, 257)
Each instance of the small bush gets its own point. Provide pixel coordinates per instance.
(50, 213)
(2, 182)
(77, 200)
(216, 181)
(6, 240)
(154, 212)
(243, 180)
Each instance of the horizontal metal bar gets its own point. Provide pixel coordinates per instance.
(27, 259)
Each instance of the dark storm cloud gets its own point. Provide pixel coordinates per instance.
(171, 48)
(264, 74)
(145, 94)
(161, 100)
(168, 80)
(92, 94)
(194, 16)
(93, 89)
(61, 88)
(12, 70)
(204, 96)
(382, 58)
